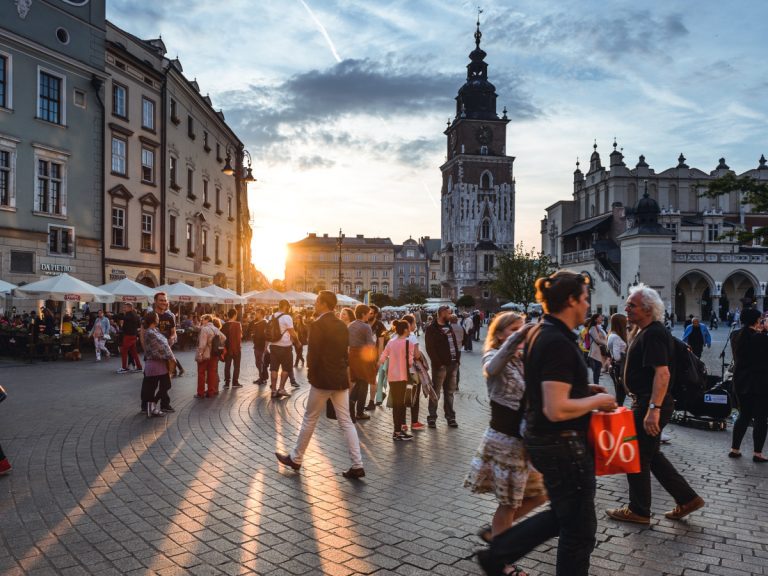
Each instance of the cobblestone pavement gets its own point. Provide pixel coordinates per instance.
(99, 489)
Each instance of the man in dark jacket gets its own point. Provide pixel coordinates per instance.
(327, 362)
(233, 330)
(444, 355)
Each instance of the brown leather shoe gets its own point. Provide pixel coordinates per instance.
(286, 460)
(626, 515)
(682, 510)
(353, 473)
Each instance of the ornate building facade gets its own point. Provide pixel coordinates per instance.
(478, 188)
(628, 225)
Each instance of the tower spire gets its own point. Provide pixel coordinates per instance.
(478, 34)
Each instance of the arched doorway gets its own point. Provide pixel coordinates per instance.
(693, 295)
(147, 278)
(739, 290)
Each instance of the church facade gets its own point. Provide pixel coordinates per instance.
(627, 225)
(478, 189)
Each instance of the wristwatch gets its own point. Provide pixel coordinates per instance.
(653, 406)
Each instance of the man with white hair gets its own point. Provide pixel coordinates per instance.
(650, 357)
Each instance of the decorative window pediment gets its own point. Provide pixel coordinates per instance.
(120, 191)
(149, 200)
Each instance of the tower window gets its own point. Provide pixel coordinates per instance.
(485, 180)
(485, 230)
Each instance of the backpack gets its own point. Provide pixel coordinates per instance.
(272, 332)
(689, 376)
(586, 339)
(216, 348)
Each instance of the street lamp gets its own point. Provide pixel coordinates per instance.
(242, 175)
(339, 242)
(230, 171)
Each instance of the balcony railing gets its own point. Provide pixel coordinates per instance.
(608, 276)
(580, 256)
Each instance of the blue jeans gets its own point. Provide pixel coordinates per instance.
(569, 476)
(444, 379)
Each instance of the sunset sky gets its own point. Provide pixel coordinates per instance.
(342, 103)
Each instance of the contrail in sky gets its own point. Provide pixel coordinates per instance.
(322, 30)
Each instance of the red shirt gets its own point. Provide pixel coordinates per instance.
(233, 330)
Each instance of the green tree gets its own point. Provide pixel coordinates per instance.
(755, 193)
(517, 271)
(412, 294)
(381, 299)
(466, 301)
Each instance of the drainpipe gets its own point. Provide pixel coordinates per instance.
(97, 84)
(163, 178)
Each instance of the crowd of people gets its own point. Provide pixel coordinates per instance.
(543, 382)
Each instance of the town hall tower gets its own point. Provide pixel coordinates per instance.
(478, 188)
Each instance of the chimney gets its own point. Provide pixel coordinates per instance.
(325, 235)
(360, 236)
(312, 235)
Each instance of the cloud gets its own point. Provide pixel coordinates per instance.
(312, 162)
(631, 32)
(296, 109)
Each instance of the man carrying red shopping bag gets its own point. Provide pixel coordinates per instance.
(647, 376)
(614, 441)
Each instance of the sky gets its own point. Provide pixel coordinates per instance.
(342, 103)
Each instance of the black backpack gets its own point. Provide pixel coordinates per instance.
(216, 348)
(272, 332)
(689, 376)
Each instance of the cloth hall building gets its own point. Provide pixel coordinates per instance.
(627, 225)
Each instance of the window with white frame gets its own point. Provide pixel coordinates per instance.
(385, 288)
(172, 165)
(51, 101)
(190, 245)
(118, 227)
(147, 165)
(119, 100)
(5, 81)
(206, 202)
(229, 206)
(147, 114)
(7, 176)
(216, 249)
(713, 231)
(61, 241)
(172, 233)
(147, 231)
(119, 155)
(204, 242)
(49, 190)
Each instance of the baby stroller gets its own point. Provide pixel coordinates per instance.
(704, 402)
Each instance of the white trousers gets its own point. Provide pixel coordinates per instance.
(101, 345)
(315, 408)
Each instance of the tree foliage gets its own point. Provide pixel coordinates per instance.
(753, 192)
(466, 301)
(412, 294)
(517, 271)
(381, 299)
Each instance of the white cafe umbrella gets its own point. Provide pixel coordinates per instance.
(64, 288)
(182, 292)
(268, 296)
(127, 290)
(344, 300)
(6, 287)
(223, 296)
(299, 298)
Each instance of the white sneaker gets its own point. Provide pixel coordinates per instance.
(123, 371)
(151, 407)
(665, 437)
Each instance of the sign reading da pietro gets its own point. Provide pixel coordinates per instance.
(47, 267)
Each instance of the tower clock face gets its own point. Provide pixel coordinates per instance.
(484, 135)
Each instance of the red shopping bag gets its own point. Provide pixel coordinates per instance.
(614, 441)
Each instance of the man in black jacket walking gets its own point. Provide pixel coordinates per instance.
(444, 355)
(327, 363)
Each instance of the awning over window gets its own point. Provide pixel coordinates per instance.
(587, 226)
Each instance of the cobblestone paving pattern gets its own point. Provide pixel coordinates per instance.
(97, 488)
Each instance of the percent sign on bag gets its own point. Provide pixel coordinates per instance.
(623, 447)
(614, 441)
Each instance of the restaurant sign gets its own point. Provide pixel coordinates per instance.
(117, 274)
(72, 297)
(52, 269)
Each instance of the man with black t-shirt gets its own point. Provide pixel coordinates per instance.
(256, 329)
(560, 400)
(167, 324)
(130, 330)
(444, 355)
(647, 374)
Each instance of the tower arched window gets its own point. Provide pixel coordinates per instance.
(485, 230)
(486, 182)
